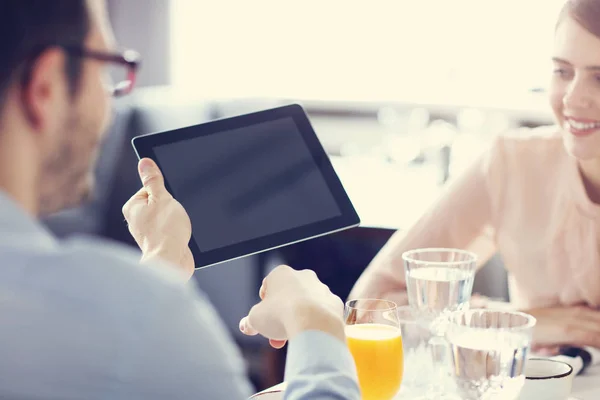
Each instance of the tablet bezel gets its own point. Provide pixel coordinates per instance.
(144, 147)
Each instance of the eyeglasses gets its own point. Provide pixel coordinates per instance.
(122, 69)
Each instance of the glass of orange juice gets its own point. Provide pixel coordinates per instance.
(374, 339)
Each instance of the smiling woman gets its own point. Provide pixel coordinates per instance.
(575, 87)
(534, 197)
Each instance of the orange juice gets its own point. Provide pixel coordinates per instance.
(377, 352)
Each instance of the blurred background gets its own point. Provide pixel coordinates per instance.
(403, 95)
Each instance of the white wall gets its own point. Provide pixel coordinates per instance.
(145, 26)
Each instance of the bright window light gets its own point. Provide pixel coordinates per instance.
(423, 50)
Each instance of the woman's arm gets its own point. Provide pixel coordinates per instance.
(463, 217)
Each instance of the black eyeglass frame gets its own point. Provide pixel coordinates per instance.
(130, 59)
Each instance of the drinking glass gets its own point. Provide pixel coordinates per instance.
(489, 349)
(438, 282)
(375, 341)
(417, 360)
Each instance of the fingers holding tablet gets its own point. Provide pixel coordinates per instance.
(158, 223)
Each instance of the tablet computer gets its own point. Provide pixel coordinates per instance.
(250, 183)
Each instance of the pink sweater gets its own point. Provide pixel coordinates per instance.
(524, 198)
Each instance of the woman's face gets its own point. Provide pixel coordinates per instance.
(575, 88)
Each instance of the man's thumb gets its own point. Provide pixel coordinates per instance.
(151, 176)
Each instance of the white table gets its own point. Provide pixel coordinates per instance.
(585, 387)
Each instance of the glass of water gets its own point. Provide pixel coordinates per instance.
(489, 349)
(439, 281)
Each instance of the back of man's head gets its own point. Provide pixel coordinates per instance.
(27, 27)
(54, 103)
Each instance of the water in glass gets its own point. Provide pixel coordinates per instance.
(489, 351)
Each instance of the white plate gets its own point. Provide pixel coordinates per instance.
(276, 395)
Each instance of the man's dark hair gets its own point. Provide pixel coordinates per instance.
(28, 27)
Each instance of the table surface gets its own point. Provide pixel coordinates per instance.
(585, 387)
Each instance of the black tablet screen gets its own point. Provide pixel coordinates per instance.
(246, 183)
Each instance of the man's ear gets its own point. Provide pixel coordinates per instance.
(46, 90)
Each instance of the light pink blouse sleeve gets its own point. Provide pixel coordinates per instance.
(463, 217)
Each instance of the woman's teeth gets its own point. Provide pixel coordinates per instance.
(584, 126)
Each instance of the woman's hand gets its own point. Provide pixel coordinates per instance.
(559, 326)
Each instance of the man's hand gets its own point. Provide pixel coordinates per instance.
(292, 302)
(157, 221)
(558, 326)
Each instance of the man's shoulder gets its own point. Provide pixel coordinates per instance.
(87, 308)
(92, 271)
(111, 259)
